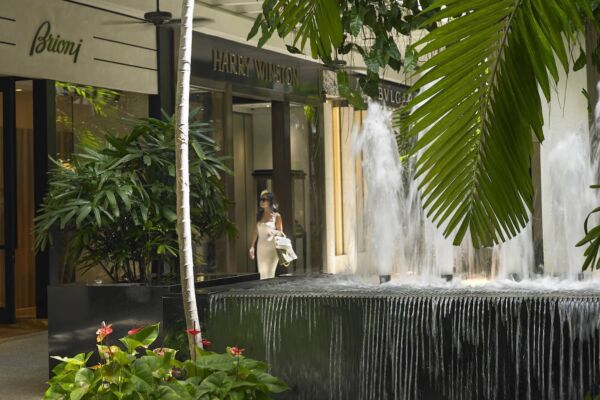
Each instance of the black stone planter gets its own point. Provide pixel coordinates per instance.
(75, 311)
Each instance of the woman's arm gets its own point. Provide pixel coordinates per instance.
(253, 242)
(279, 223)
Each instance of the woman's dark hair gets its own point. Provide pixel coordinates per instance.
(272, 204)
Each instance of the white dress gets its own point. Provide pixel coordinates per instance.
(266, 254)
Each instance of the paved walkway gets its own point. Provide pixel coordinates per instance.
(24, 366)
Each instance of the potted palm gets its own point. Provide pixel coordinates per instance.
(116, 208)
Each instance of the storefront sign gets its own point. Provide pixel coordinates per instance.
(44, 40)
(222, 60)
(237, 64)
(76, 42)
(391, 94)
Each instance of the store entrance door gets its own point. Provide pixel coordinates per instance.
(17, 257)
(7, 200)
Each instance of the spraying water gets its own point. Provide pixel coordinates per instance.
(404, 242)
(382, 173)
(572, 171)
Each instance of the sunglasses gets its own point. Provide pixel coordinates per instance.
(264, 199)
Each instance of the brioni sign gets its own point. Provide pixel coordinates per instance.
(45, 41)
(73, 41)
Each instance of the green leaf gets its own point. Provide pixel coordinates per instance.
(274, 384)
(372, 62)
(125, 159)
(411, 58)
(219, 362)
(143, 338)
(356, 23)
(169, 214)
(254, 30)
(83, 213)
(67, 217)
(77, 394)
(84, 377)
(316, 22)
(124, 194)
(581, 60)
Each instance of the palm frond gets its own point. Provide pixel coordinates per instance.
(317, 23)
(479, 104)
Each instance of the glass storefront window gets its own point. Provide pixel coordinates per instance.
(2, 255)
(208, 106)
(301, 129)
(359, 117)
(253, 166)
(85, 113)
(338, 193)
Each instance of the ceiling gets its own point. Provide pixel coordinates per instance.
(244, 8)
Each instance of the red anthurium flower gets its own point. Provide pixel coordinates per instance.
(206, 343)
(235, 351)
(103, 331)
(193, 332)
(134, 331)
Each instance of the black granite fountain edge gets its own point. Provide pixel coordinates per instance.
(416, 293)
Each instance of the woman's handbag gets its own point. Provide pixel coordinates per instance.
(285, 252)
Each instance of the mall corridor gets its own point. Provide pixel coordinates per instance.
(24, 366)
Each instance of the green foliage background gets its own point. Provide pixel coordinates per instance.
(118, 203)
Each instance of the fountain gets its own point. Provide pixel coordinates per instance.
(414, 333)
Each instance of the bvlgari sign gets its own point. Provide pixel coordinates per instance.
(230, 62)
(45, 40)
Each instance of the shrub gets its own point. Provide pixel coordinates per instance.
(133, 371)
(118, 203)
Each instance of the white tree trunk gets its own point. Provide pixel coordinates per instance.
(184, 232)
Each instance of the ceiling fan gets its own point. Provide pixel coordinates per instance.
(158, 17)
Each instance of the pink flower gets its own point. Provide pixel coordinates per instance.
(134, 330)
(193, 332)
(103, 331)
(206, 343)
(235, 351)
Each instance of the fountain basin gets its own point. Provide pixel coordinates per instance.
(333, 338)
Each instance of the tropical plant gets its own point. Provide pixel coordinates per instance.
(592, 240)
(131, 371)
(100, 99)
(182, 136)
(480, 103)
(118, 204)
(328, 29)
(103, 102)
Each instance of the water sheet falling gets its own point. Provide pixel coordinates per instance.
(387, 342)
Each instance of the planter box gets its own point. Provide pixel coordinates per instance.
(75, 311)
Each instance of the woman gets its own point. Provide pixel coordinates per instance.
(268, 226)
